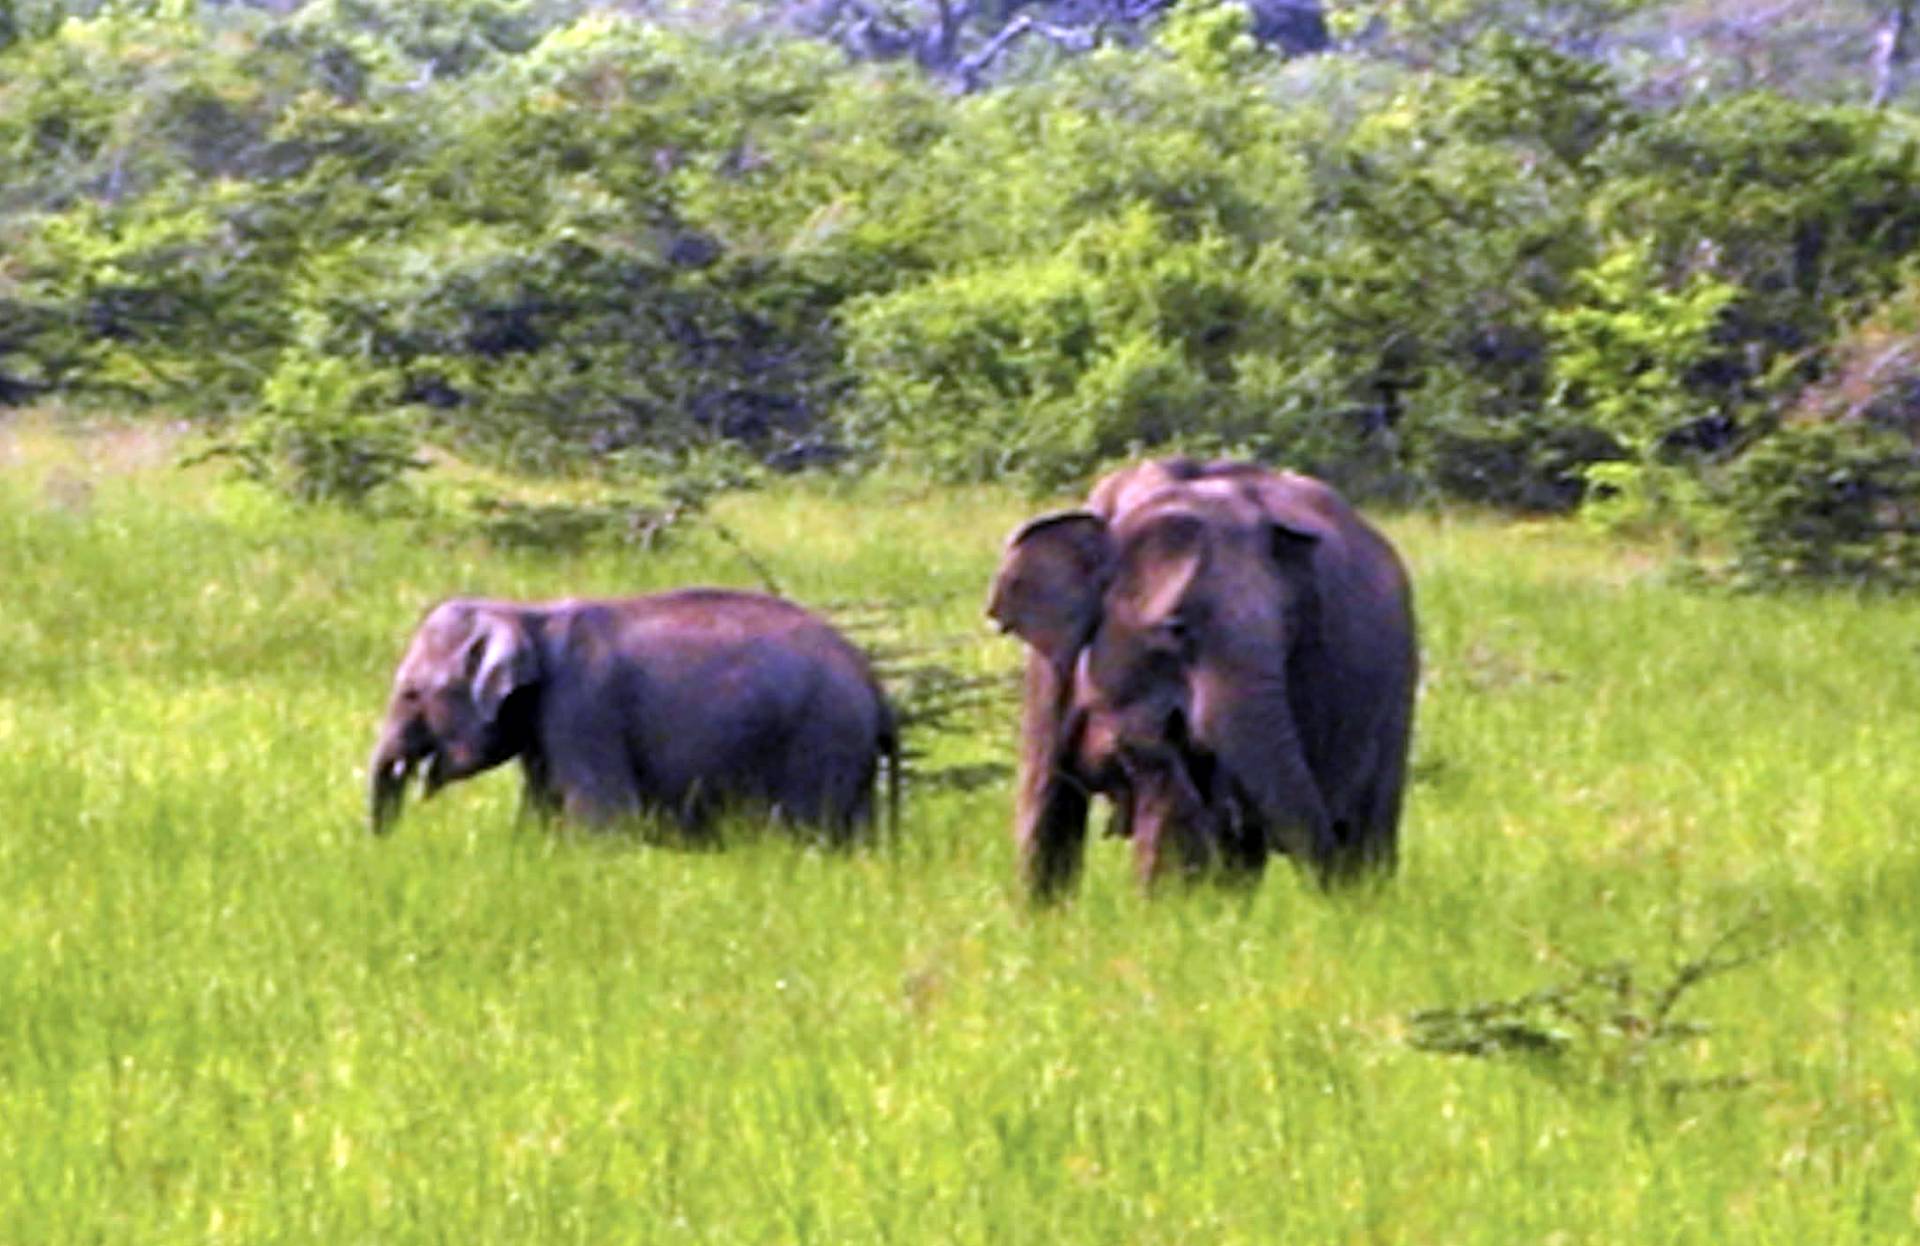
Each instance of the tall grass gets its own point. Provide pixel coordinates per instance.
(226, 1013)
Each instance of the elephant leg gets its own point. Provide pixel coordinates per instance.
(851, 814)
(835, 793)
(696, 809)
(1376, 829)
(1366, 808)
(594, 802)
(1243, 841)
(1050, 809)
(1168, 811)
(818, 786)
(1292, 818)
(828, 807)
(1149, 826)
(589, 772)
(539, 804)
(1051, 836)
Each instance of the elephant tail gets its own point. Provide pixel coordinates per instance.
(890, 755)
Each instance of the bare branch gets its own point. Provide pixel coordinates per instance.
(967, 71)
(955, 41)
(1892, 49)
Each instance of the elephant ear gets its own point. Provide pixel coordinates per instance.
(500, 660)
(1048, 588)
(1292, 542)
(1300, 511)
(1303, 536)
(1160, 565)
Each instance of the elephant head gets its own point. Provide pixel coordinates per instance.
(1216, 650)
(456, 707)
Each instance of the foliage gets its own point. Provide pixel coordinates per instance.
(1465, 260)
(1621, 356)
(1609, 1025)
(1828, 502)
(1054, 366)
(156, 299)
(1212, 38)
(1623, 350)
(1806, 210)
(1834, 492)
(320, 435)
(364, 43)
(1446, 223)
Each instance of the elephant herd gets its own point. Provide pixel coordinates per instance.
(1224, 652)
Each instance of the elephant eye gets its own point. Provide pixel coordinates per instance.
(1176, 634)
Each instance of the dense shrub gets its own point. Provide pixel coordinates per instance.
(1165, 256)
(565, 237)
(322, 433)
(1805, 210)
(1834, 493)
(1121, 339)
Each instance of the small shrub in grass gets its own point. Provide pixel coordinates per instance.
(1828, 502)
(323, 433)
(1609, 1025)
(571, 526)
(685, 487)
(1622, 355)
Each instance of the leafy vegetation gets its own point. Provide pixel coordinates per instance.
(1471, 254)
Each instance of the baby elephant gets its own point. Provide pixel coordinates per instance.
(683, 702)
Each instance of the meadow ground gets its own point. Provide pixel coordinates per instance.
(228, 1014)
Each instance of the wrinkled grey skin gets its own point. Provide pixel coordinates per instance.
(1227, 653)
(680, 702)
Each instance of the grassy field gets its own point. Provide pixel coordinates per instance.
(228, 1014)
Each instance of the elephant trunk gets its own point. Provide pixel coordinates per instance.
(1247, 723)
(1166, 808)
(387, 773)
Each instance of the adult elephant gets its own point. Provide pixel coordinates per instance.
(1224, 651)
(680, 702)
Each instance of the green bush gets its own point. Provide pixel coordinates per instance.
(1052, 366)
(1834, 493)
(323, 433)
(1828, 502)
(156, 299)
(563, 238)
(544, 295)
(1621, 355)
(1805, 210)
(1442, 227)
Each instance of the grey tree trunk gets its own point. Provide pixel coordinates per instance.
(1892, 50)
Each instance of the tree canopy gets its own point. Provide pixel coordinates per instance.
(1521, 254)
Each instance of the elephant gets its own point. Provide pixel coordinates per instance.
(681, 702)
(1224, 651)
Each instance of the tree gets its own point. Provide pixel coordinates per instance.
(1423, 31)
(1892, 50)
(962, 41)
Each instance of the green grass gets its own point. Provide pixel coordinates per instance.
(227, 1014)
